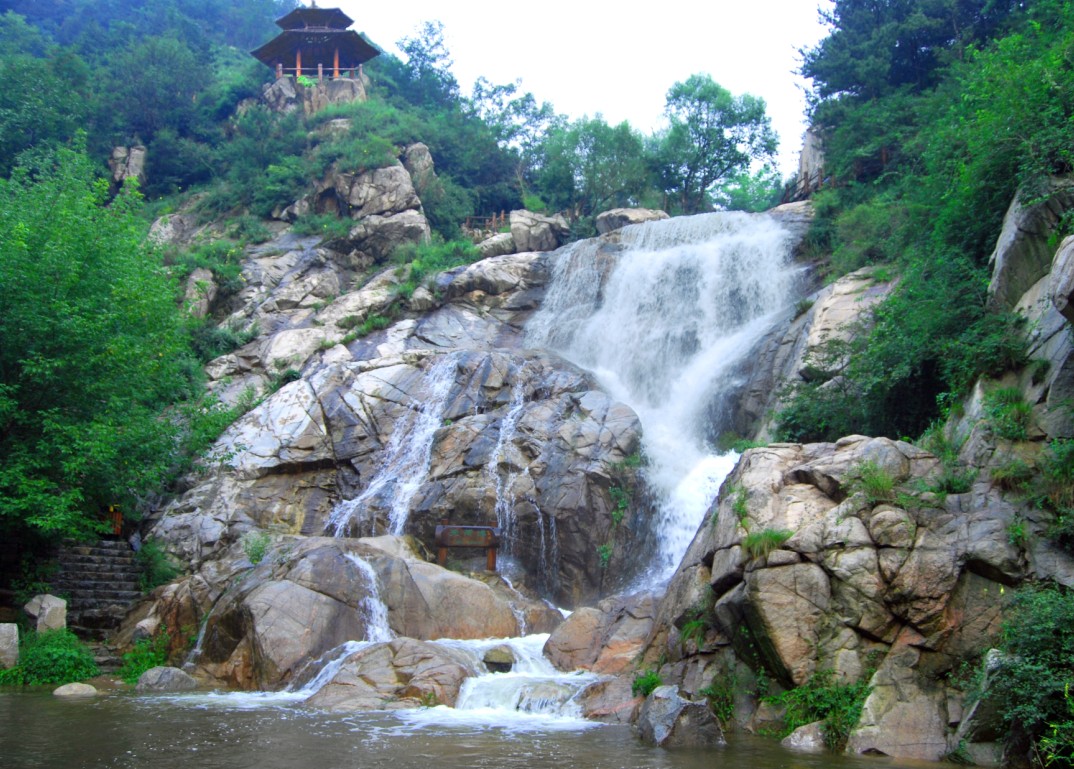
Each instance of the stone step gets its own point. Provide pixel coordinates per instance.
(78, 600)
(77, 559)
(75, 577)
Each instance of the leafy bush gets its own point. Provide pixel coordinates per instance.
(874, 481)
(720, 694)
(155, 565)
(620, 503)
(145, 654)
(211, 341)
(52, 657)
(822, 698)
(645, 682)
(759, 544)
(604, 555)
(1008, 413)
(255, 545)
(1013, 475)
(1030, 687)
(327, 226)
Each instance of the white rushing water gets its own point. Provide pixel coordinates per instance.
(533, 695)
(405, 463)
(664, 331)
(372, 608)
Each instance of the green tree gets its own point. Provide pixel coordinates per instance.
(712, 135)
(589, 166)
(93, 348)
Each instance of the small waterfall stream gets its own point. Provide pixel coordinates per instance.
(664, 330)
(405, 463)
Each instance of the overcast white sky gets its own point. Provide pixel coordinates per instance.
(616, 59)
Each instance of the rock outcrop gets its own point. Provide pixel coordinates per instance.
(666, 720)
(617, 218)
(537, 232)
(9, 645)
(283, 95)
(831, 557)
(47, 611)
(311, 596)
(404, 673)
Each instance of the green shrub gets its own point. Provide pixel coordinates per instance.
(620, 503)
(156, 567)
(739, 505)
(1013, 475)
(645, 682)
(1030, 687)
(327, 226)
(759, 544)
(255, 545)
(874, 481)
(822, 698)
(720, 694)
(211, 341)
(53, 657)
(604, 554)
(802, 306)
(1057, 742)
(145, 654)
(1008, 413)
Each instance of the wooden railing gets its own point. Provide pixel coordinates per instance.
(320, 72)
(492, 223)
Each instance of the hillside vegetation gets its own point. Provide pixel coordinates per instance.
(933, 114)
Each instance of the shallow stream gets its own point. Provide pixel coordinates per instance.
(264, 731)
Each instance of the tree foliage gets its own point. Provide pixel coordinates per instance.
(926, 170)
(94, 347)
(712, 135)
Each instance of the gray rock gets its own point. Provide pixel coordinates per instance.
(1022, 255)
(165, 679)
(48, 612)
(500, 244)
(806, 739)
(535, 232)
(667, 720)
(74, 691)
(499, 659)
(617, 218)
(9, 645)
(404, 673)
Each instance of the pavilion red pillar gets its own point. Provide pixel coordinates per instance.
(335, 65)
(298, 62)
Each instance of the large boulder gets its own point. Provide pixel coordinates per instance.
(618, 218)
(403, 673)
(75, 691)
(380, 235)
(606, 638)
(127, 163)
(666, 720)
(47, 611)
(9, 645)
(381, 191)
(536, 232)
(165, 679)
(313, 595)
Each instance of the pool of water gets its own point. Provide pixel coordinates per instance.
(245, 731)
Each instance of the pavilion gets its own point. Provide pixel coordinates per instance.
(316, 42)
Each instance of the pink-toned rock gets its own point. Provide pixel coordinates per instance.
(404, 673)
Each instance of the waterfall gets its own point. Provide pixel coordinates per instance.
(503, 481)
(372, 608)
(405, 462)
(664, 325)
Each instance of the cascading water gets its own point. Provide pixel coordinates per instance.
(372, 608)
(406, 460)
(664, 328)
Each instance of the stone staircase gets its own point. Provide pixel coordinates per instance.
(100, 582)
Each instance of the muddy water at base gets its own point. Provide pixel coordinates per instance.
(274, 732)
